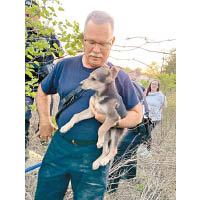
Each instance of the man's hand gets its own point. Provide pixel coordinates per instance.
(98, 116)
(45, 131)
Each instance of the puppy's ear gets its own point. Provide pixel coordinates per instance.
(114, 71)
(105, 66)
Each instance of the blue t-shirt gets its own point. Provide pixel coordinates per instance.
(65, 77)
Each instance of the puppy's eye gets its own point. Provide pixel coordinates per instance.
(93, 79)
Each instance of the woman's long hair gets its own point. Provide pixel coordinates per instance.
(149, 87)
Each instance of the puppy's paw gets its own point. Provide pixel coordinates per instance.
(66, 128)
(62, 130)
(104, 161)
(99, 144)
(95, 165)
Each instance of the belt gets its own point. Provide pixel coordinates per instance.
(80, 142)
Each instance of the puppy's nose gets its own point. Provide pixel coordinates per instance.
(81, 84)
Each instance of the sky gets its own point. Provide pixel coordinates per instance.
(152, 19)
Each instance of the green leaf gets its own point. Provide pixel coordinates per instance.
(80, 45)
(66, 46)
(54, 22)
(37, 63)
(61, 9)
(46, 13)
(51, 8)
(140, 187)
(57, 1)
(31, 70)
(68, 24)
(29, 73)
(63, 39)
(71, 52)
(55, 45)
(33, 107)
(43, 15)
(29, 56)
(60, 54)
(31, 66)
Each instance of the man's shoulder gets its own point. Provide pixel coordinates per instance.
(122, 75)
(139, 85)
(69, 60)
(123, 82)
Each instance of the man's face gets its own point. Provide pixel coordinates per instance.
(98, 40)
(133, 76)
(35, 18)
(32, 10)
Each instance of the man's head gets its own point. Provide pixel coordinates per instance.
(97, 38)
(133, 75)
(32, 13)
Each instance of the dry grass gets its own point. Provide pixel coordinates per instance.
(156, 174)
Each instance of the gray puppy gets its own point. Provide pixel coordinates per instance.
(108, 102)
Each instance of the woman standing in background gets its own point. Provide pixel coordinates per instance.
(156, 102)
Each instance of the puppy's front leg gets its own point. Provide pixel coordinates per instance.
(108, 123)
(105, 151)
(86, 114)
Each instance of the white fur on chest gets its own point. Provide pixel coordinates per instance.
(100, 107)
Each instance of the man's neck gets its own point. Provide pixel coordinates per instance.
(86, 65)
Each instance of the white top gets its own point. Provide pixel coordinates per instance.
(156, 101)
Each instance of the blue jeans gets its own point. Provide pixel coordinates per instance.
(64, 162)
(126, 156)
(28, 115)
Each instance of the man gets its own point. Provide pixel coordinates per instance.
(44, 61)
(70, 156)
(133, 76)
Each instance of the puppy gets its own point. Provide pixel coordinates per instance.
(108, 102)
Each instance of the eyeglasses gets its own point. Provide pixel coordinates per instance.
(154, 83)
(102, 45)
(30, 2)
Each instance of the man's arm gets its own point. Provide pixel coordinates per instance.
(43, 106)
(134, 116)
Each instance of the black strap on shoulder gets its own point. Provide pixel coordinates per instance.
(69, 99)
(144, 102)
